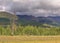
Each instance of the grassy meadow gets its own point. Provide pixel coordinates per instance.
(29, 39)
(29, 34)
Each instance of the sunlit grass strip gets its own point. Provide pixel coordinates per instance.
(29, 39)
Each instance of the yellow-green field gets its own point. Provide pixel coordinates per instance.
(29, 39)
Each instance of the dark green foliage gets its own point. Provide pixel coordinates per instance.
(30, 30)
(5, 30)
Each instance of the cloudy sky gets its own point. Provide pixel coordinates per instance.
(32, 7)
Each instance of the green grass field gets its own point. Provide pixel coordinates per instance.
(29, 39)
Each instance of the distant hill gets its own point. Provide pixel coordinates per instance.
(28, 19)
(55, 18)
(32, 20)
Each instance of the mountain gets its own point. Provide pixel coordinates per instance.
(30, 20)
(55, 18)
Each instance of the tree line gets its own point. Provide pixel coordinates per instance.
(29, 30)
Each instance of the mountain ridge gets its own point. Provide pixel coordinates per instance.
(47, 20)
(37, 21)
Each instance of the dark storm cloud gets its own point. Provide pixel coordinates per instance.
(33, 7)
